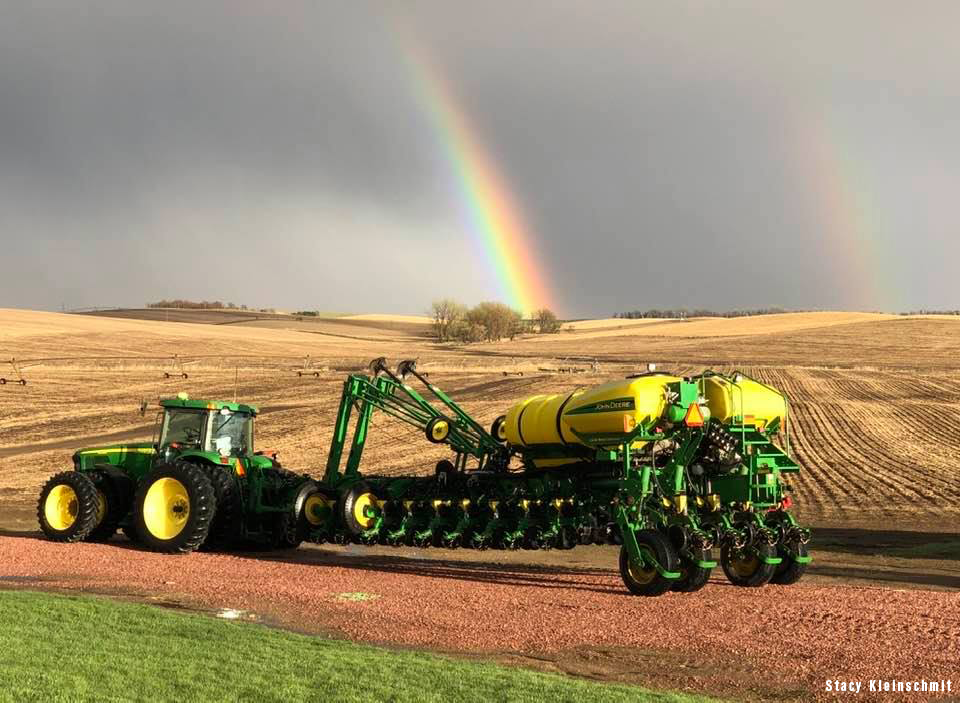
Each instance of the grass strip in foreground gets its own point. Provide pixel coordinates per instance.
(76, 648)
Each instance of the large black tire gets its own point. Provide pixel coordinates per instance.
(225, 528)
(286, 534)
(744, 568)
(693, 577)
(789, 571)
(174, 517)
(116, 492)
(68, 507)
(645, 581)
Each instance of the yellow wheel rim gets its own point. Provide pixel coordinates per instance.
(166, 508)
(641, 574)
(61, 507)
(360, 505)
(101, 506)
(315, 509)
(440, 430)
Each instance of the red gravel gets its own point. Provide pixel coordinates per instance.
(784, 639)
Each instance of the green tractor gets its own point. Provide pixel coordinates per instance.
(199, 484)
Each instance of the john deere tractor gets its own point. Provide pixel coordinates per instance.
(199, 484)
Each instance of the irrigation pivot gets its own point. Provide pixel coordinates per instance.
(17, 370)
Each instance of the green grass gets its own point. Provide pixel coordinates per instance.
(74, 648)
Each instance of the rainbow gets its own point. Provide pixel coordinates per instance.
(846, 210)
(488, 206)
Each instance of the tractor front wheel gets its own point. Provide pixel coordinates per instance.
(174, 507)
(643, 579)
(69, 507)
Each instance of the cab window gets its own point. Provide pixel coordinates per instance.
(183, 427)
(229, 433)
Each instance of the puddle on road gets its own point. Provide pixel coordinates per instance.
(357, 597)
(234, 614)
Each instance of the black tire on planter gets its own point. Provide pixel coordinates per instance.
(437, 430)
(201, 507)
(744, 568)
(83, 509)
(347, 508)
(225, 528)
(498, 429)
(693, 577)
(789, 571)
(646, 581)
(117, 491)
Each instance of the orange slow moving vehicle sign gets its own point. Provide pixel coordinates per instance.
(694, 416)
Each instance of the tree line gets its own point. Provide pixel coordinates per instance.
(486, 322)
(195, 305)
(682, 313)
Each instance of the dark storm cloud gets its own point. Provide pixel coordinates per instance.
(190, 149)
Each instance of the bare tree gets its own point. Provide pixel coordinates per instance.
(546, 321)
(445, 313)
(496, 319)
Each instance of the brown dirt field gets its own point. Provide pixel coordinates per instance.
(876, 427)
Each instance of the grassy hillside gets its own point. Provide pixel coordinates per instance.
(81, 648)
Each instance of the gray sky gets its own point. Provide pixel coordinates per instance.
(716, 154)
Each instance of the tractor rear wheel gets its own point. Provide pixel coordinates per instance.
(789, 571)
(174, 507)
(286, 534)
(642, 579)
(68, 507)
(745, 567)
(225, 526)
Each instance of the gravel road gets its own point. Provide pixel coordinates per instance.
(745, 643)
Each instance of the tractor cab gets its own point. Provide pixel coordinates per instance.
(210, 427)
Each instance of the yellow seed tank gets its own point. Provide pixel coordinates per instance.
(615, 407)
(731, 400)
